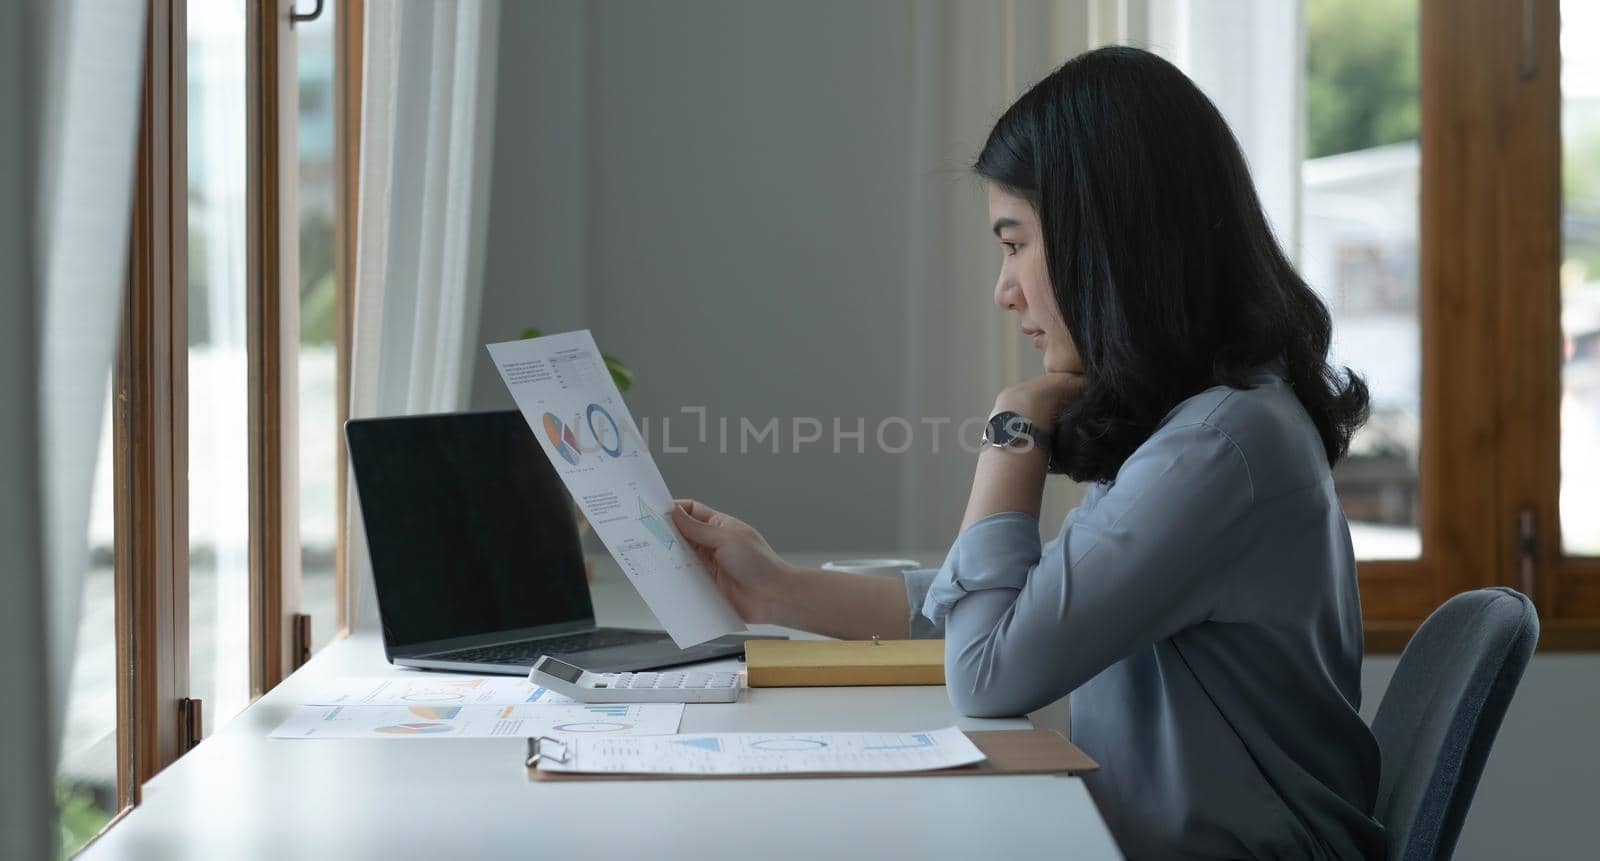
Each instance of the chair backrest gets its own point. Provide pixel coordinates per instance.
(1440, 714)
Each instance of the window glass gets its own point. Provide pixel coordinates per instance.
(318, 409)
(86, 782)
(1359, 247)
(219, 461)
(1580, 277)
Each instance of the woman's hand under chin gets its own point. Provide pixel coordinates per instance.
(1041, 398)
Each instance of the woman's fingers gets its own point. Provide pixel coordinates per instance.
(695, 529)
(698, 510)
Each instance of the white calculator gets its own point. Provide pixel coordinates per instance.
(669, 686)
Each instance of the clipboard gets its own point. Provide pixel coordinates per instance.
(1006, 752)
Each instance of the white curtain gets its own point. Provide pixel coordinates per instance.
(69, 90)
(426, 130)
(1249, 57)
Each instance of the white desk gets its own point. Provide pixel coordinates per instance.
(242, 795)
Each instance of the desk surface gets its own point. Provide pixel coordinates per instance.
(243, 795)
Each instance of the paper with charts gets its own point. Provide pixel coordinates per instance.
(566, 394)
(482, 721)
(433, 689)
(770, 753)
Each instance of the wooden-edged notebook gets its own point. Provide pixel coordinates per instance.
(1007, 752)
(839, 663)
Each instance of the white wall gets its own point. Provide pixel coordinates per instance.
(764, 209)
(727, 209)
(1537, 796)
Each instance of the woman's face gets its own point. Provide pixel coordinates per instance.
(1024, 283)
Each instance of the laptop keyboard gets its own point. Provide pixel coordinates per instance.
(526, 652)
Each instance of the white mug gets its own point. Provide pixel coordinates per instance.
(872, 566)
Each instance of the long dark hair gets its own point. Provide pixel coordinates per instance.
(1161, 260)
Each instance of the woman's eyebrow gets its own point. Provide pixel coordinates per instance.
(1002, 223)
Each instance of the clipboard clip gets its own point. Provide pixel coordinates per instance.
(545, 747)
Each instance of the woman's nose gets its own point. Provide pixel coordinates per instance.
(1007, 295)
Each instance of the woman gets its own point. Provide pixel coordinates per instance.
(1200, 605)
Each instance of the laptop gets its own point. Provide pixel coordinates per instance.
(476, 556)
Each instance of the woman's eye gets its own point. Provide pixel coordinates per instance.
(1010, 248)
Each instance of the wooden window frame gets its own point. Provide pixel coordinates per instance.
(150, 448)
(349, 33)
(1490, 318)
(274, 261)
(270, 243)
(150, 403)
(1565, 588)
(277, 644)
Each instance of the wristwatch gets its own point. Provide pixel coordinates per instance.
(1007, 429)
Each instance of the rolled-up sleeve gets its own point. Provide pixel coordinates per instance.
(917, 584)
(1025, 624)
(997, 552)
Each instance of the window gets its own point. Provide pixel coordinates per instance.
(1580, 278)
(1359, 230)
(218, 361)
(318, 407)
(1473, 330)
(1570, 584)
(195, 515)
(86, 780)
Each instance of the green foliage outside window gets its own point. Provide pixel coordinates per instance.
(81, 818)
(1361, 74)
(316, 279)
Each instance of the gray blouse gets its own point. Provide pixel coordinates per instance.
(1202, 611)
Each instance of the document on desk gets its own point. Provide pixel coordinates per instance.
(433, 689)
(769, 753)
(482, 721)
(565, 393)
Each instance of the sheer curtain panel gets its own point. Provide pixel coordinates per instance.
(69, 89)
(426, 129)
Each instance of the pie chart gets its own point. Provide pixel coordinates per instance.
(562, 439)
(599, 430)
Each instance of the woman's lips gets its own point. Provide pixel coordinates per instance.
(1036, 334)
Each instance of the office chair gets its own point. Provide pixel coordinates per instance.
(1441, 712)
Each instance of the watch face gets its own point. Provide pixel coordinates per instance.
(1009, 429)
(1003, 428)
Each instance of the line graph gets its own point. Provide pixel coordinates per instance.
(650, 520)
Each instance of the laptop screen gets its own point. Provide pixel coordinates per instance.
(470, 530)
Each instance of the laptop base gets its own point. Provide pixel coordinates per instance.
(648, 654)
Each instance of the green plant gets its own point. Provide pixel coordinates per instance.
(619, 372)
(80, 817)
